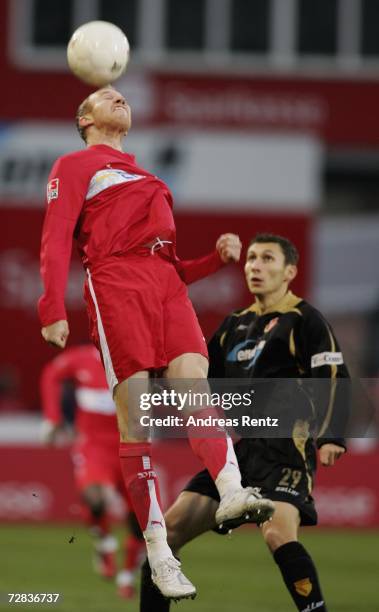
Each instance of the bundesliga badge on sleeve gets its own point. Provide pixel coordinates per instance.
(52, 190)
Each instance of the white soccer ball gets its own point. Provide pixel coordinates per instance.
(98, 53)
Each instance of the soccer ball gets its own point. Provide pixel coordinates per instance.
(98, 53)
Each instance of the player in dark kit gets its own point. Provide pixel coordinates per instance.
(141, 318)
(279, 336)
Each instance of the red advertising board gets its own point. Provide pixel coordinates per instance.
(341, 112)
(347, 495)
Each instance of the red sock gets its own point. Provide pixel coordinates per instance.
(216, 452)
(134, 552)
(141, 483)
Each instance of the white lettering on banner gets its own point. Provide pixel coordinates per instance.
(103, 179)
(20, 500)
(346, 505)
(23, 175)
(248, 107)
(95, 400)
(21, 286)
(218, 292)
(326, 358)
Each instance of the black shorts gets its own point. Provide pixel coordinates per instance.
(282, 468)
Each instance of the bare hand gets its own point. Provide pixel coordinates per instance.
(229, 247)
(49, 432)
(329, 453)
(56, 333)
(56, 434)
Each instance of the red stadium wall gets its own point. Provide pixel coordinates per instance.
(341, 111)
(347, 495)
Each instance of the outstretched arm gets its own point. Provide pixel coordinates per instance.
(228, 249)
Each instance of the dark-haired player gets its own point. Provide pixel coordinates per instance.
(141, 317)
(279, 336)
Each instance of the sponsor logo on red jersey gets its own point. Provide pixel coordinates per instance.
(52, 190)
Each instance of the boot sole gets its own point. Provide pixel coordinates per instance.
(258, 515)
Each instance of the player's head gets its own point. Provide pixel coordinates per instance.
(106, 110)
(271, 264)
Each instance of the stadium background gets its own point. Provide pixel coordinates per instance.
(261, 115)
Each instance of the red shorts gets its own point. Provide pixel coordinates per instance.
(141, 316)
(97, 462)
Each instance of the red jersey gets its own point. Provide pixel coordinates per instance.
(96, 412)
(111, 206)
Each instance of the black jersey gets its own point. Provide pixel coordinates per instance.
(293, 340)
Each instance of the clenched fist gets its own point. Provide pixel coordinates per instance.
(229, 247)
(329, 453)
(56, 333)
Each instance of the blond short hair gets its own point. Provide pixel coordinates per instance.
(83, 109)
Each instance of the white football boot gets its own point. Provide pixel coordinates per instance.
(169, 579)
(244, 506)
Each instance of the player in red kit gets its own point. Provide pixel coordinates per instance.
(141, 317)
(95, 454)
